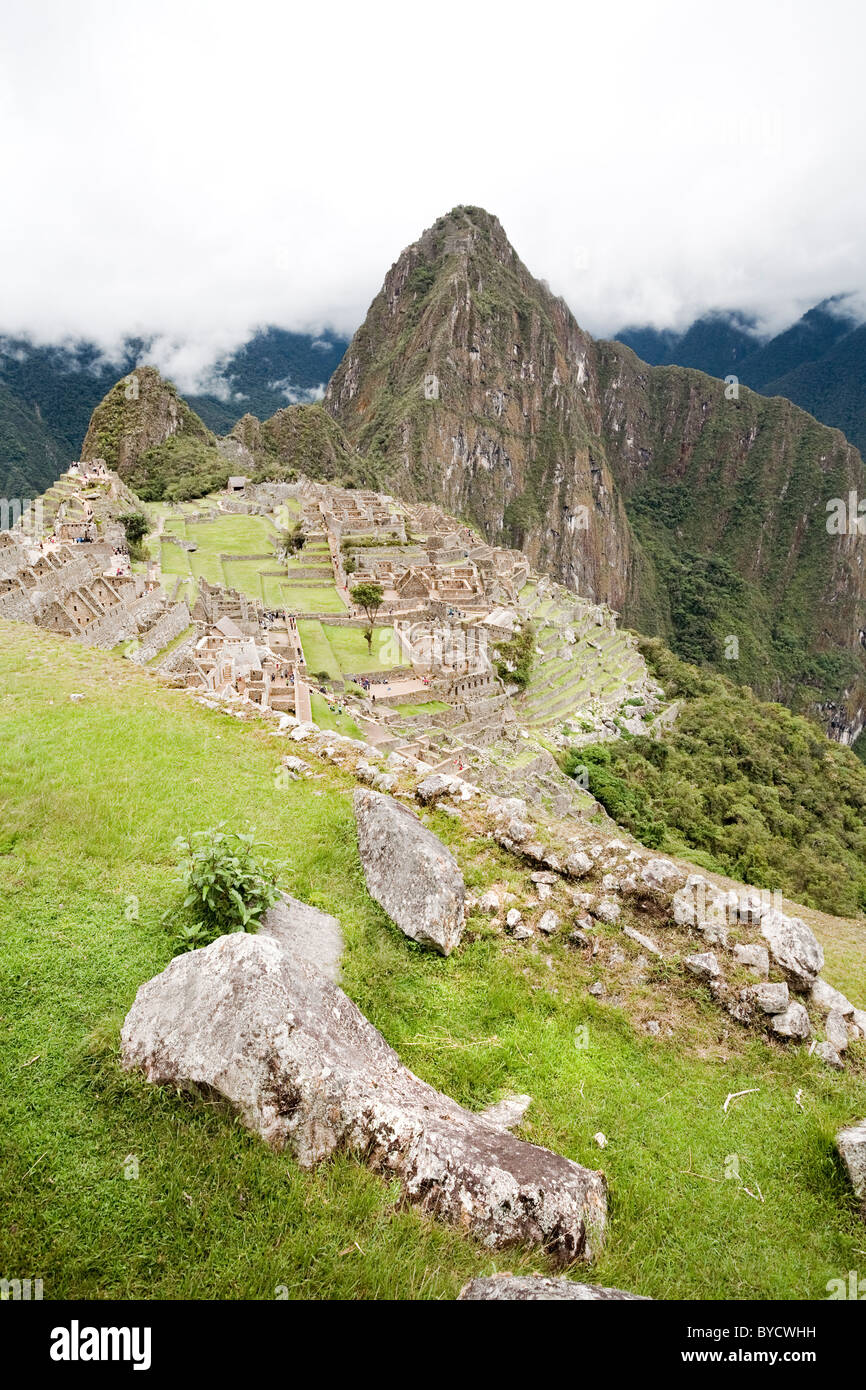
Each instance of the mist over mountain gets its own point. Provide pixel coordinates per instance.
(819, 363)
(49, 392)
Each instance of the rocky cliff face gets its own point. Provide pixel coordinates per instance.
(467, 385)
(701, 518)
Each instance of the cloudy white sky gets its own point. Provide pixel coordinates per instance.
(199, 168)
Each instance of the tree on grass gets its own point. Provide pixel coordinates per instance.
(291, 542)
(368, 596)
(136, 527)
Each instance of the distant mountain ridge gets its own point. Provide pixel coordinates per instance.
(48, 394)
(819, 363)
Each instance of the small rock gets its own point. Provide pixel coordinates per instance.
(548, 923)
(793, 1023)
(825, 997)
(518, 830)
(600, 1139)
(607, 910)
(644, 941)
(543, 876)
(653, 1027)
(512, 918)
(578, 864)
(521, 932)
(851, 1144)
(597, 990)
(770, 999)
(489, 901)
(755, 957)
(837, 1030)
(828, 1054)
(704, 965)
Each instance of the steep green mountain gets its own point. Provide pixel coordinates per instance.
(60, 385)
(299, 439)
(149, 435)
(702, 517)
(30, 458)
(819, 362)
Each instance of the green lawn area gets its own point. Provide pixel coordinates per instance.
(326, 718)
(300, 598)
(350, 648)
(93, 794)
(318, 653)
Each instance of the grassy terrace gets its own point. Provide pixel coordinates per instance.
(86, 827)
(265, 578)
(342, 651)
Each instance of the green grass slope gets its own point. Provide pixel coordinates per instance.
(93, 793)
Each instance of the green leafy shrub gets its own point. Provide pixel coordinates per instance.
(229, 886)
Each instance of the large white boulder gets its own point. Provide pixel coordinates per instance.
(794, 948)
(304, 1068)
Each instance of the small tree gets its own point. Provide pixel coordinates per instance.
(291, 542)
(136, 527)
(368, 597)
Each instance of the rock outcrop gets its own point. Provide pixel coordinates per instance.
(851, 1143)
(512, 1288)
(304, 1068)
(409, 872)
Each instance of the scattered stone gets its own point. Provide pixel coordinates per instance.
(301, 1064)
(597, 990)
(579, 938)
(518, 830)
(507, 1113)
(851, 1144)
(827, 1053)
(544, 876)
(750, 907)
(525, 1288)
(548, 923)
(770, 998)
(490, 901)
(793, 1023)
(755, 957)
(600, 1139)
(521, 932)
(644, 941)
(793, 947)
(653, 1027)
(76, 698)
(512, 918)
(607, 910)
(704, 965)
(543, 891)
(433, 788)
(581, 899)
(825, 997)
(837, 1030)
(297, 766)
(306, 932)
(615, 956)
(409, 871)
(578, 864)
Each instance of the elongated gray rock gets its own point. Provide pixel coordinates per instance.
(521, 1288)
(409, 872)
(244, 1019)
